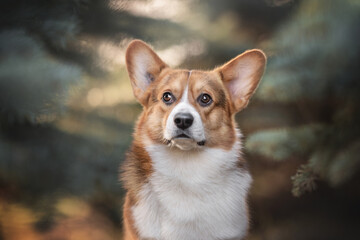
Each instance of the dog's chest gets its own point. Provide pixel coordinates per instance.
(193, 196)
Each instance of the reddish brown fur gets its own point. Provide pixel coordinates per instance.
(218, 118)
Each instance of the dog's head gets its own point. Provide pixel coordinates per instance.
(191, 109)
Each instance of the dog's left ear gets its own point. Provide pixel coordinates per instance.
(242, 75)
(144, 66)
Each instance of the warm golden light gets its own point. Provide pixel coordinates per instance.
(95, 97)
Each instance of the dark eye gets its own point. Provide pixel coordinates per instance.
(168, 98)
(204, 99)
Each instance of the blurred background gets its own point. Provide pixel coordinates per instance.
(67, 110)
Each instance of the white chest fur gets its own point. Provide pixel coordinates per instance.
(193, 196)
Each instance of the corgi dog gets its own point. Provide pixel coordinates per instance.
(184, 175)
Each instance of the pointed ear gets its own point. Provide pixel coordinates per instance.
(143, 66)
(242, 75)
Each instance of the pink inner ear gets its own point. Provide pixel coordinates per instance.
(141, 74)
(244, 79)
(143, 66)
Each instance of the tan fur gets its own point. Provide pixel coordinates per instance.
(217, 118)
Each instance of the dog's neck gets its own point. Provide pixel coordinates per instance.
(193, 187)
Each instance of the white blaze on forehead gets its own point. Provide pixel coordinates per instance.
(184, 97)
(196, 131)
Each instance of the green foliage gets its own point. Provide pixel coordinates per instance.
(32, 83)
(303, 180)
(312, 52)
(281, 144)
(345, 164)
(336, 165)
(315, 70)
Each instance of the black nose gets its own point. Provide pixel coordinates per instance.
(183, 120)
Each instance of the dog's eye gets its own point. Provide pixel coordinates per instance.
(204, 99)
(168, 98)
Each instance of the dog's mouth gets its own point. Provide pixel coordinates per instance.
(183, 138)
(183, 135)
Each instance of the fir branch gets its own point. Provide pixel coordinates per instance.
(281, 144)
(304, 180)
(345, 164)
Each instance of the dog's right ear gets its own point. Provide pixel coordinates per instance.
(143, 66)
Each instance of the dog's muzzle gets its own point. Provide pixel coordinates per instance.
(183, 139)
